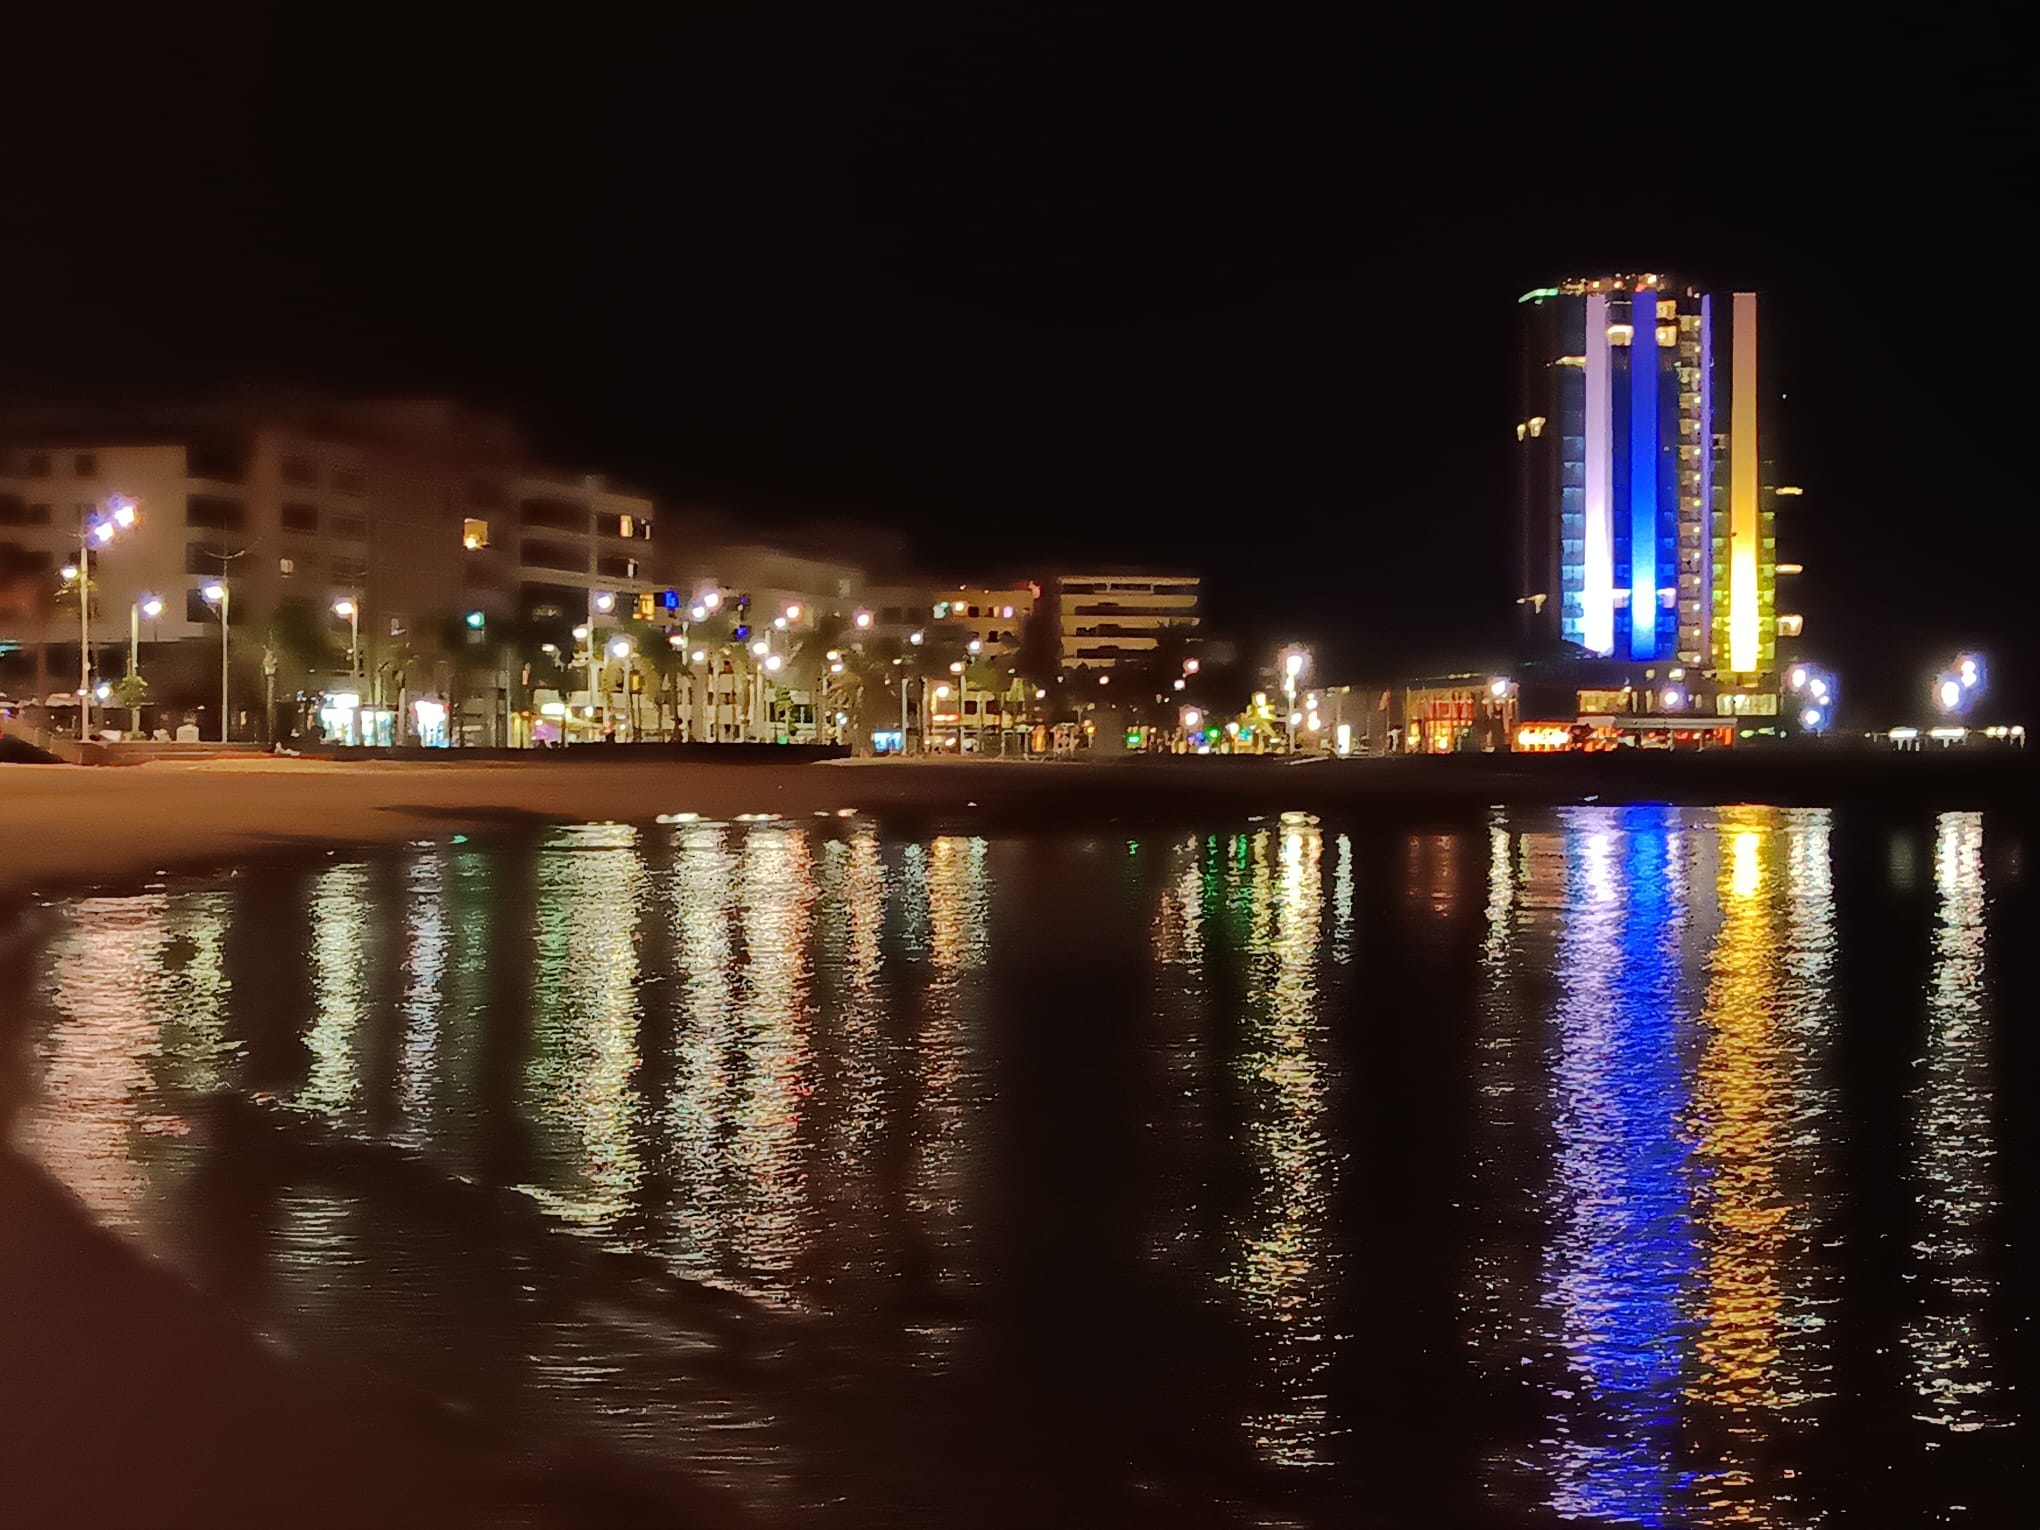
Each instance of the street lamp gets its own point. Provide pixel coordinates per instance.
(1294, 662)
(862, 621)
(150, 606)
(120, 516)
(621, 649)
(217, 594)
(350, 612)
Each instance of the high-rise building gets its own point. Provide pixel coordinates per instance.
(1645, 529)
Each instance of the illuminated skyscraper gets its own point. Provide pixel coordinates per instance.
(1644, 529)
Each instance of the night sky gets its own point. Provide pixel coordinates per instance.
(1037, 287)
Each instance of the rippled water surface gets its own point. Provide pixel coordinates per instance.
(1635, 1165)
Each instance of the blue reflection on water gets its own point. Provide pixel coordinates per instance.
(1625, 1249)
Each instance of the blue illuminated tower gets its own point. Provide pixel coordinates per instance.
(1642, 534)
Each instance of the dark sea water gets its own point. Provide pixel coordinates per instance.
(1631, 1165)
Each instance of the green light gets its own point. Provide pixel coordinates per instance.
(475, 619)
(1538, 294)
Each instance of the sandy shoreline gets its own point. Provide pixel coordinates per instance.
(66, 827)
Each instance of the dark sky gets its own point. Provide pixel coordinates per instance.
(1038, 285)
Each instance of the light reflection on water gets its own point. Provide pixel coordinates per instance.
(784, 1060)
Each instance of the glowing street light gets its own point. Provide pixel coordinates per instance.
(1798, 677)
(621, 648)
(217, 594)
(916, 638)
(793, 612)
(761, 648)
(605, 601)
(1191, 666)
(150, 606)
(1949, 693)
(350, 611)
(862, 621)
(711, 599)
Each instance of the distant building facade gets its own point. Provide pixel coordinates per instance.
(1107, 619)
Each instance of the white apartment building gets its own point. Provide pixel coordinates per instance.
(1114, 618)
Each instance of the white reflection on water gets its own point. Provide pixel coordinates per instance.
(1954, 1154)
(341, 908)
(584, 1014)
(99, 1056)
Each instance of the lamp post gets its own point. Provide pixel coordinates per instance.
(1294, 662)
(351, 610)
(621, 649)
(150, 606)
(217, 594)
(120, 516)
(600, 602)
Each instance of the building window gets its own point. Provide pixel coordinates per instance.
(474, 534)
(554, 515)
(285, 567)
(550, 555)
(85, 465)
(351, 527)
(215, 511)
(349, 481)
(38, 515)
(350, 571)
(297, 470)
(198, 609)
(39, 465)
(300, 518)
(222, 464)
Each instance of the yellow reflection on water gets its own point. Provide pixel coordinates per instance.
(1743, 1376)
(1278, 1270)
